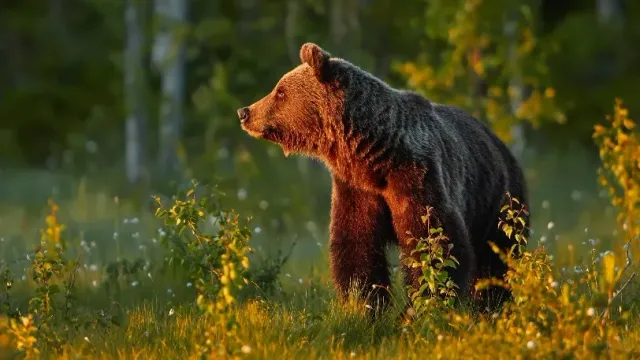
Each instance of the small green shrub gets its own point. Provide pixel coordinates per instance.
(212, 245)
(433, 259)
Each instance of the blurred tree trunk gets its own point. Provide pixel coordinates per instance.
(169, 59)
(293, 49)
(611, 19)
(515, 84)
(57, 21)
(136, 115)
(338, 27)
(345, 28)
(290, 29)
(608, 10)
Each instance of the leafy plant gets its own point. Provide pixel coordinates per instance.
(211, 244)
(54, 277)
(514, 223)
(265, 275)
(6, 284)
(619, 147)
(22, 333)
(546, 319)
(432, 260)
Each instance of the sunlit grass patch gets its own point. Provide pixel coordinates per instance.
(191, 288)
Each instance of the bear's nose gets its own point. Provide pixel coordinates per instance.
(243, 114)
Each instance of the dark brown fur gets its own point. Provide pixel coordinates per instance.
(392, 154)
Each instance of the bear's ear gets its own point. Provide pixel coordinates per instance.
(317, 58)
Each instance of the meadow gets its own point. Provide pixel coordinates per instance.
(138, 220)
(91, 277)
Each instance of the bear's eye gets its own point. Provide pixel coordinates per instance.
(279, 93)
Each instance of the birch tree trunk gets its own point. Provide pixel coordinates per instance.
(169, 59)
(345, 28)
(608, 10)
(136, 115)
(610, 19)
(293, 50)
(515, 82)
(290, 29)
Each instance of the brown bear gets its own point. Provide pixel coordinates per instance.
(392, 153)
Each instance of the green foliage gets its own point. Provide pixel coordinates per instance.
(63, 106)
(201, 245)
(50, 269)
(546, 319)
(433, 259)
(491, 64)
(265, 276)
(62, 78)
(217, 261)
(53, 316)
(121, 273)
(5, 301)
(549, 317)
(514, 223)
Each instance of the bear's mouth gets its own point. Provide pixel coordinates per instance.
(268, 132)
(253, 133)
(271, 133)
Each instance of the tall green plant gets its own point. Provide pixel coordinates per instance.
(212, 246)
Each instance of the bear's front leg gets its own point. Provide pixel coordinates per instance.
(407, 219)
(360, 229)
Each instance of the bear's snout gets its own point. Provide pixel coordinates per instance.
(243, 114)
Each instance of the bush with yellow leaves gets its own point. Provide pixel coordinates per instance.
(548, 317)
(552, 317)
(479, 45)
(620, 171)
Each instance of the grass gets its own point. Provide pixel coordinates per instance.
(115, 283)
(154, 315)
(306, 322)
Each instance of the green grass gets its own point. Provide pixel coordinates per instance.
(152, 313)
(305, 322)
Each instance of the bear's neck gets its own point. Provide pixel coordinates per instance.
(367, 141)
(369, 168)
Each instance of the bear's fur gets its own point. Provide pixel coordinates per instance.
(392, 153)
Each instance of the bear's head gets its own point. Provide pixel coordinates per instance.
(298, 113)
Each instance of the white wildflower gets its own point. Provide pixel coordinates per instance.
(242, 194)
